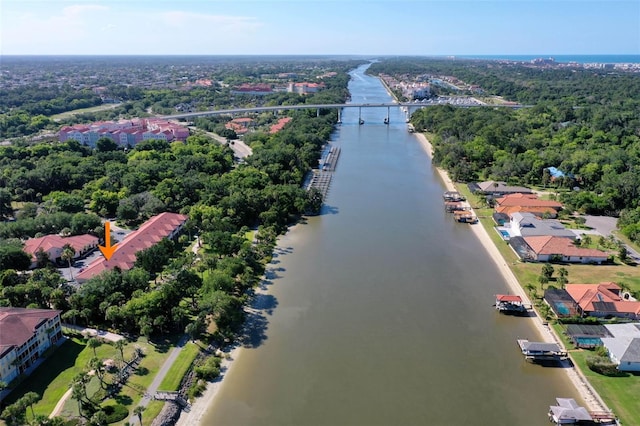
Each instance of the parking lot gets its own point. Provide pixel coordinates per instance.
(117, 233)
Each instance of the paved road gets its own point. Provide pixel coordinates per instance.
(240, 149)
(152, 389)
(606, 225)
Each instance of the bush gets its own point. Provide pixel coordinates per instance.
(196, 390)
(604, 366)
(210, 369)
(115, 413)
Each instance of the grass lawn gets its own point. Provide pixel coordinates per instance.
(68, 114)
(179, 368)
(53, 378)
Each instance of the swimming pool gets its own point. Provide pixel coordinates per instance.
(505, 234)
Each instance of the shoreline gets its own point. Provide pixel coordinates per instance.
(201, 405)
(587, 393)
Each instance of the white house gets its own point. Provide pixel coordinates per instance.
(624, 346)
(25, 334)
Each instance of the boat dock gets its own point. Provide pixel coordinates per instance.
(329, 159)
(568, 412)
(320, 178)
(511, 304)
(541, 351)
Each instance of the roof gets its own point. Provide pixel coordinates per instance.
(501, 187)
(529, 200)
(539, 346)
(509, 210)
(17, 325)
(549, 245)
(623, 349)
(48, 242)
(508, 298)
(149, 234)
(568, 409)
(585, 294)
(529, 225)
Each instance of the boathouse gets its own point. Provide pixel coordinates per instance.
(541, 351)
(510, 304)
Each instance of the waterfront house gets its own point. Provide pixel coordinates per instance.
(528, 225)
(547, 248)
(526, 200)
(25, 334)
(604, 300)
(165, 225)
(624, 346)
(510, 304)
(497, 188)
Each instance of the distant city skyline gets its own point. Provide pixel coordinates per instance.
(243, 27)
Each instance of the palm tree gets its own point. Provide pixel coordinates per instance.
(68, 252)
(98, 367)
(29, 399)
(119, 345)
(138, 411)
(93, 343)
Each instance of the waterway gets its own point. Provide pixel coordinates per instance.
(379, 311)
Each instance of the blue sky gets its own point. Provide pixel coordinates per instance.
(244, 27)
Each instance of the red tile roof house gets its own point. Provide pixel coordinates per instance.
(25, 334)
(526, 200)
(53, 244)
(603, 300)
(164, 225)
(548, 248)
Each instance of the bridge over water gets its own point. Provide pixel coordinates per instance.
(406, 106)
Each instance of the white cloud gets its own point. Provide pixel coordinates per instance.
(178, 19)
(27, 31)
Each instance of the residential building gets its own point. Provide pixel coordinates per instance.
(603, 300)
(279, 125)
(529, 225)
(547, 248)
(624, 346)
(240, 125)
(53, 245)
(526, 200)
(25, 334)
(304, 88)
(497, 188)
(125, 132)
(165, 225)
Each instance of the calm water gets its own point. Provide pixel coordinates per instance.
(379, 311)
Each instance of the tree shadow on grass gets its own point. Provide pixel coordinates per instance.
(60, 360)
(123, 399)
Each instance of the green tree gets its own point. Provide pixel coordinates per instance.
(68, 252)
(547, 271)
(94, 343)
(138, 412)
(6, 211)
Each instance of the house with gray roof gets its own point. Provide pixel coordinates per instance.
(524, 224)
(624, 346)
(497, 188)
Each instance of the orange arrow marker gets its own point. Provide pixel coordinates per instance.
(107, 250)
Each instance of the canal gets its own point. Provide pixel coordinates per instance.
(379, 311)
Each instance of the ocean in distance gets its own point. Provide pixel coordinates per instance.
(581, 59)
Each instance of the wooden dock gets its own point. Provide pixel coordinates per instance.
(329, 161)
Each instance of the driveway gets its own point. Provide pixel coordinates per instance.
(605, 225)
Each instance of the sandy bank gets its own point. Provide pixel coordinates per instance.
(590, 396)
